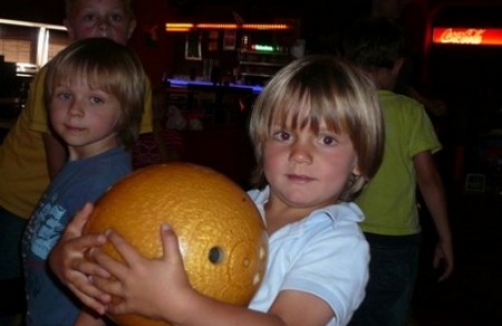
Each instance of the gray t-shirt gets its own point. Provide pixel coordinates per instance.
(49, 302)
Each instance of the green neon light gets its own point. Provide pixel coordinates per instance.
(268, 48)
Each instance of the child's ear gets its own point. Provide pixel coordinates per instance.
(397, 66)
(132, 27)
(69, 30)
(356, 171)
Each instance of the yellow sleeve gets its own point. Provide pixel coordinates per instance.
(35, 104)
(147, 118)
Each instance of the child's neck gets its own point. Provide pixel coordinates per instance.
(383, 79)
(277, 218)
(77, 153)
(278, 214)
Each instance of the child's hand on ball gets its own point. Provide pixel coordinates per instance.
(67, 261)
(155, 288)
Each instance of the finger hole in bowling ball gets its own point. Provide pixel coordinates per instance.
(216, 255)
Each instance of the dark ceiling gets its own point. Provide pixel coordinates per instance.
(45, 11)
(52, 11)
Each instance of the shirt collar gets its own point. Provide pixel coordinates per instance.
(336, 212)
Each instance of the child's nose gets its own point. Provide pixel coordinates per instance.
(75, 109)
(103, 25)
(300, 153)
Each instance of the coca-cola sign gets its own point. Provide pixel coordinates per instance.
(467, 36)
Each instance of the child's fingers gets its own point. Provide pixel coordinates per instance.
(121, 308)
(447, 273)
(76, 225)
(126, 250)
(110, 286)
(170, 244)
(112, 266)
(68, 256)
(86, 242)
(89, 268)
(443, 260)
(87, 289)
(83, 214)
(97, 301)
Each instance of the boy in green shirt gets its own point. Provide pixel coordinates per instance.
(391, 224)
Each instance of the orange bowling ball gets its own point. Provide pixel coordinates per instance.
(221, 234)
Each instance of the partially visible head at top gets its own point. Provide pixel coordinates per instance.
(112, 19)
(376, 44)
(316, 91)
(391, 9)
(104, 65)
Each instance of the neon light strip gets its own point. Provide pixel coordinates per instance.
(184, 83)
(266, 26)
(216, 26)
(179, 25)
(188, 26)
(259, 47)
(467, 36)
(173, 29)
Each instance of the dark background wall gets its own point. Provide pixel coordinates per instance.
(320, 21)
(317, 20)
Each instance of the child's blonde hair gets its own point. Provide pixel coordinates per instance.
(71, 5)
(107, 65)
(335, 93)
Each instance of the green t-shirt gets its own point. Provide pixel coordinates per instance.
(389, 200)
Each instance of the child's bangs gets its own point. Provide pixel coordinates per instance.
(309, 108)
(94, 76)
(287, 111)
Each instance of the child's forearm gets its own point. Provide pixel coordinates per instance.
(55, 152)
(432, 190)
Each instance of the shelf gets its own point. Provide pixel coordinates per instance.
(284, 54)
(10, 101)
(256, 74)
(258, 66)
(258, 63)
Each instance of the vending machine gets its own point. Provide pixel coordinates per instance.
(464, 67)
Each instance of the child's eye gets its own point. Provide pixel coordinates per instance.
(97, 100)
(281, 135)
(117, 18)
(328, 140)
(89, 17)
(63, 96)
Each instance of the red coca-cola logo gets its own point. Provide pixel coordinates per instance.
(468, 36)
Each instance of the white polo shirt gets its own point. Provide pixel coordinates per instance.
(324, 254)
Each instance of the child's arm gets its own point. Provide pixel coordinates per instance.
(36, 110)
(55, 153)
(432, 190)
(435, 106)
(68, 263)
(85, 318)
(159, 289)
